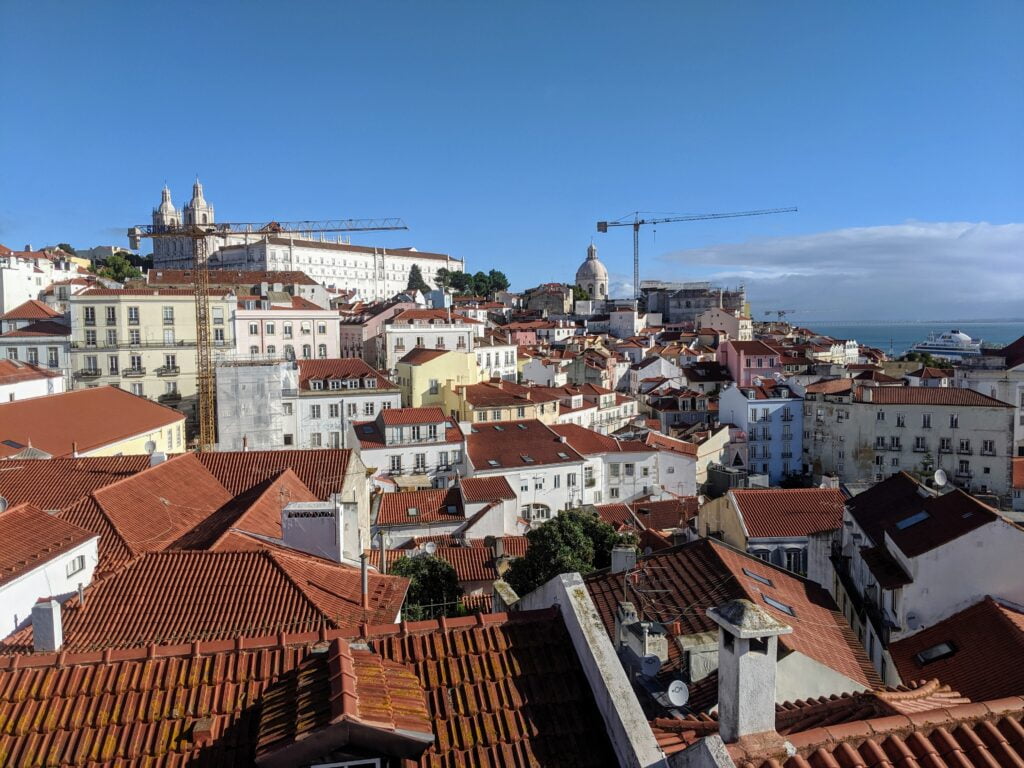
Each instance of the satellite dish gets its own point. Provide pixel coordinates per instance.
(4, 504)
(650, 666)
(430, 547)
(150, 447)
(940, 478)
(678, 693)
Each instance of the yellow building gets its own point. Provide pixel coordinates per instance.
(144, 340)
(500, 401)
(424, 372)
(101, 421)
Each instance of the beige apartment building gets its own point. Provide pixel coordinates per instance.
(144, 341)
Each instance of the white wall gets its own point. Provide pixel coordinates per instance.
(20, 390)
(50, 579)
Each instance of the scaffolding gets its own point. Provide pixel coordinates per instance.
(250, 401)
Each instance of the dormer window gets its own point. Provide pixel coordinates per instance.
(935, 653)
(370, 382)
(316, 384)
(335, 384)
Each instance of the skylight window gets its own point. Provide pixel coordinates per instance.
(758, 577)
(452, 510)
(787, 609)
(367, 429)
(563, 455)
(493, 462)
(914, 519)
(526, 458)
(412, 512)
(935, 653)
(498, 428)
(521, 426)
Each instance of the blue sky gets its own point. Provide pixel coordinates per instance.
(502, 132)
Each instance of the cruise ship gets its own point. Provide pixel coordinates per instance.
(953, 345)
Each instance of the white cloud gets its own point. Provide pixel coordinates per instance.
(915, 270)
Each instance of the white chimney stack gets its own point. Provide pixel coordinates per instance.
(623, 559)
(748, 639)
(157, 457)
(47, 629)
(324, 529)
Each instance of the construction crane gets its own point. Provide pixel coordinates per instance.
(635, 220)
(780, 313)
(200, 235)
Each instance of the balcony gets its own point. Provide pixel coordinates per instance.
(168, 370)
(964, 473)
(89, 321)
(589, 483)
(988, 451)
(787, 417)
(168, 321)
(133, 373)
(945, 449)
(787, 454)
(287, 392)
(133, 321)
(920, 449)
(88, 373)
(169, 397)
(961, 451)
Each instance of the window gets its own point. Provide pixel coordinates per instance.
(92, 363)
(946, 444)
(901, 419)
(421, 462)
(218, 315)
(614, 470)
(111, 337)
(287, 409)
(926, 420)
(136, 389)
(218, 334)
(112, 365)
(334, 410)
(763, 554)
(894, 443)
(52, 357)
(351, 409)
(75, 565)
(879, 442)
(914, 519)
(134, 337)
(89, 315)
(630, 470)
(321, 327)
(964, 468)
(779, 606)
(289, 440)
(254, 329)
(920, 444)
(268, 328)
(307, 351)
(316, 384)
(90, 338)
(496, 415)
(521, 412)
(315, 440)
(169, 336)
(613, 493)
(271, 349)
(954, 421)
(33, 354)
(556, 481)
(314, 411)
(988, 447)
(286, 330)
(880, 416)
(965, 446)
(168, 314)
(935, 652)
(396, 465)
(321, 351)
(133, 315)
(894, 462)
(368, 409)
(795, 560)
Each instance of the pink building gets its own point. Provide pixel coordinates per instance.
(289, 326)
(748, 359)
(360, 327)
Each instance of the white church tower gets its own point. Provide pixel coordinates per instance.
(176, 253)
(198, 211)
(166, 215)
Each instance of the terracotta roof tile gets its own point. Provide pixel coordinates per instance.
(39, 328)
(30, 537)
(53, 423)
(588, 442)
(323, 471)
(421, 355)
(181, 597)
(14, 371)
(706, 573)
(420, 507)
(830, 387)
(393, 417)
(987, 641)
(478, 489)
(947, 396)
(515, 445)
(31, 310)
(56, 484)
(339, 369)
(655, 515)
(779, 513)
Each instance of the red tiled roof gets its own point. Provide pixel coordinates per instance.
(420, 355)
(30, 537)
(412, 253)
(675, 734)
(516, 445)
(705, 573)
(431, 507)
(339, 369)
(181, 597)
(749, 348)
(588, 442)
(149, 292)
(410, 316)
(988, 644)
(655, 515)
(393, 417)
(503, 393)
(56, 484)
(477, 489)
(778, 513)
(13, 371)
(371, 437)
(54, 423)
(949, 516)
(830, 387)
(39, 328)
(470, 563)
(32, 309)
(949, 396)
(662, 442)
(323, 471)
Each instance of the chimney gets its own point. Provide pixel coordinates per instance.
(748, 639)
(865, 394)
(623, 559)
(245, 442)
(364, 581)
(499, 546)
(157, 457)
(47, 629)
(74, 449)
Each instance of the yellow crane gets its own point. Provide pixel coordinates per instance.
(200, 235)
(635, 220)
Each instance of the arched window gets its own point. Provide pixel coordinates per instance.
(271, 349)
(590, 289)
(536, 512)
(321, 350)
(254, 350)
(204, 218)
(602, 289)
(289, 352)
(307, 351)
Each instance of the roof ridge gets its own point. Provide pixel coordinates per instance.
(274, 554)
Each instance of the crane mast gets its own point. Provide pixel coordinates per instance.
(200, 236)
(635, 220)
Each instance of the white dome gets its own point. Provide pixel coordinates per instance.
(592, 276)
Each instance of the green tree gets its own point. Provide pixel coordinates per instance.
(481, 284)
(443, 278)
(498, 281)
(433, 587)
(579, 293)
(461, 282)
(416, 281)
(118, 267)
(925, 359)
(573, 541)
(66, 247)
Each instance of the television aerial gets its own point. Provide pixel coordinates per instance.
(650, 666)
(678, 693)
(940, 478)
